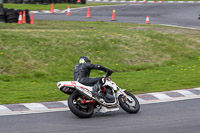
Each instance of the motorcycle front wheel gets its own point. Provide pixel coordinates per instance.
(129, 106)
(78, 108)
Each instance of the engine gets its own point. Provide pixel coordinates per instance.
(108, 94)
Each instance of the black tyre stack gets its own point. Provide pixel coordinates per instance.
(2, 15)
(83, 1)
(12, 15)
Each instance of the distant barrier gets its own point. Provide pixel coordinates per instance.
(37, 1)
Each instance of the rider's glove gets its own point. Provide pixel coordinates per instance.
(109, 72)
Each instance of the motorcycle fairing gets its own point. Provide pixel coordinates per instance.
(73, 84)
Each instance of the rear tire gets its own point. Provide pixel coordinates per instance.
(128, 106)
(79, 109)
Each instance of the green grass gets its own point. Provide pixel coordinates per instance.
(35, 7)
(148, 58)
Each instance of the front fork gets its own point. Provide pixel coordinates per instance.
(122, 92)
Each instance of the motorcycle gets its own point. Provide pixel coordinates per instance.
(82, 103)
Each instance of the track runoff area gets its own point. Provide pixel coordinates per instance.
(183, 14)
(149, 98)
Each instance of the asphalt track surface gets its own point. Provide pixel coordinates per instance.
(180, 14)
(171, 117)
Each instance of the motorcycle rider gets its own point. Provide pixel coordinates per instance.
(82, 73)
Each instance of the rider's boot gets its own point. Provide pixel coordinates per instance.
(97, 89)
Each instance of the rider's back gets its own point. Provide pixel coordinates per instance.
(82, 70)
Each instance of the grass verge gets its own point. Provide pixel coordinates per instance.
(38, 7)
(148, 58)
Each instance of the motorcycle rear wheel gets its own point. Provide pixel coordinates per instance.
(78, 108)
(128, 106)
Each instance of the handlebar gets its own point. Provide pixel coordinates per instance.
(109, 73)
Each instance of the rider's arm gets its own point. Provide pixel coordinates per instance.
(99, 67)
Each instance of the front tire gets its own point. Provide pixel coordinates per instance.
(79, 109)
(128, 106)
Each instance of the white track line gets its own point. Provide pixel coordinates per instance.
(3, 109)
(185, 93)
(170, 100)
(35, 106)
(179, 26)
(32, 112)
(161, 96)
(64, 102)
(197, 88)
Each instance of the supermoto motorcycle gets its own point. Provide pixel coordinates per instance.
(82, 103)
